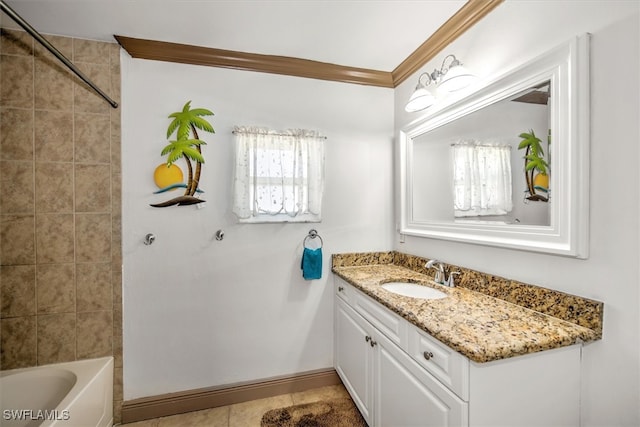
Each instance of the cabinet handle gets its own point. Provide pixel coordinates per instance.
(373, 343)
(340, 289)
(367, 338)
(427, 355)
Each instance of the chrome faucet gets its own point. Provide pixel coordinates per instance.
(441, 273)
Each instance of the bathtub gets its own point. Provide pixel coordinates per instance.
(78, 394)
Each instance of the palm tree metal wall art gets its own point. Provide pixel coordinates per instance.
(536, 166)
(187, 145)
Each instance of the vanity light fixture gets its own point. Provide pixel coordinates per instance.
(449, 78)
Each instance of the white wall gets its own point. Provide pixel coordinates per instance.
(514, 33)
(200, 312)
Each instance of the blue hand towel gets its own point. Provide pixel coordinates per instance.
(311, 264)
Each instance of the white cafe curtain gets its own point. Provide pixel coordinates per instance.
(279, 175)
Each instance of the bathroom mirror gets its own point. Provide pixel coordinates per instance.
(508, 165)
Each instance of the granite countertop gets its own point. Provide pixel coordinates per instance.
(481, 327)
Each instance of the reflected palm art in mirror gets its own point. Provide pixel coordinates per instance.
(484, 169)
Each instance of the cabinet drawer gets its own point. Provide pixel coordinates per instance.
(386, 321)
(344, 290)
(450, 367)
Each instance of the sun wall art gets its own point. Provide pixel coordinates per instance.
(188, 146)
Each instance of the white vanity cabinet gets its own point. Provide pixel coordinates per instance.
(389, 387)
(399, 376)
(354, 357)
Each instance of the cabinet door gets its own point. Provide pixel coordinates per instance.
(354, 357)
(408, 396)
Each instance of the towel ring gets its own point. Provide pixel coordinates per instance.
(312, 235)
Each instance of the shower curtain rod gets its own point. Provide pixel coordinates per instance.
(29, 29)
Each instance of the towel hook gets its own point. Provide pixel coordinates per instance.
(313, 233)
(149, 239)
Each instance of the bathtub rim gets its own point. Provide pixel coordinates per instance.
(87, 371)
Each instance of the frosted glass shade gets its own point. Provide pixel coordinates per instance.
(456, 78)
(419, 100)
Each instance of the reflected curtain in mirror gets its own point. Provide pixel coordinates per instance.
(481, 179)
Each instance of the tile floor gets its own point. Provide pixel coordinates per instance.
(246, 414)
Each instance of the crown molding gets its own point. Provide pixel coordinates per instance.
(198, 55)
(472, 12)
(461, 21)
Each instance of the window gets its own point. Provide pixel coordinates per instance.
(279, 176)
(481, 179)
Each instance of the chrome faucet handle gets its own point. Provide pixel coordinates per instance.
(450, 281)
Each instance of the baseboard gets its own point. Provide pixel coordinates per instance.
(204, 398)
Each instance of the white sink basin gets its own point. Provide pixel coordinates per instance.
(413, 290)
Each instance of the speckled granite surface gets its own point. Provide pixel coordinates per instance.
(485, 317)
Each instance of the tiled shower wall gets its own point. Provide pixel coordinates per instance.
(60, 205)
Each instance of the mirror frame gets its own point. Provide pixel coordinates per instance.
(567, 67)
